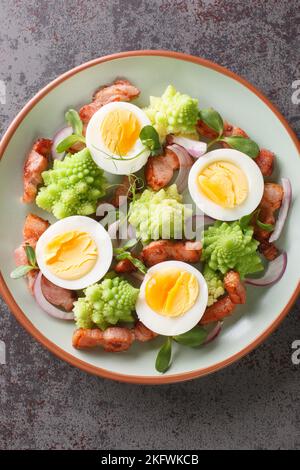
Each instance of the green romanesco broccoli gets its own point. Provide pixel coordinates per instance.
(159, 214)
(72, 187)
(106, 303)
(227, 246)
(173, 113)
(214, 283)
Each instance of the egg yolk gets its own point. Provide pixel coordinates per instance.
(224, 183)
(71, 255)
(171, 292)
(120, 130)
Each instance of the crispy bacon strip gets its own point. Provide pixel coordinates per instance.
(265, 160)
(58, 296)
(159, 170)
(270, 203)
(122, 190)
(235, 288)
(221, 309)
(113, 339)
(164, 250)
(119, 90)
(33, 228)
(36, 162)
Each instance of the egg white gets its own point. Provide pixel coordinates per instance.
(101, 238)
(99, 151)
(252, 173)
(171, 326)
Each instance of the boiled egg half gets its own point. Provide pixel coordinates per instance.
(74, 252)
(112, 136)
(226, 184)
(172, 298)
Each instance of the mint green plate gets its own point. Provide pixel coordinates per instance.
(151, 71)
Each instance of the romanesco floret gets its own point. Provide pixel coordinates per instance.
(173, 113)
(106, 303)
(214, 283)
(227, 246)
(159, 214)
(72, 187)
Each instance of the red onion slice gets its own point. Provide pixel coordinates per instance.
(185, 163)
(284, 209)
(45, 305)
(194, 147)
(112, 230)
(59, 136)
(131, 232)
(214, 332)
(273, 273)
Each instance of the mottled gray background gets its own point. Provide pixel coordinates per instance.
(46, 403)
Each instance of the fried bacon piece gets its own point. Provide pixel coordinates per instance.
(142, 333)
(33, 228)
(58, 295)
(270, 203)
(119, 90)
(233, 131)
(36, 162)
(235, 288)
(221, 309)
(159, 170)
(124, 266)
(265, 161)
(269, 250)
(164, 250)
(113, 339)
(122, 191)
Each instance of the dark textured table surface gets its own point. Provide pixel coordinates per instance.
(44, 402)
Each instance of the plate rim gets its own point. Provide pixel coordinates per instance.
(8, 296)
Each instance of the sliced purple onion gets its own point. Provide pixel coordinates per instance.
(113, 233)
(59, 136)
(131, 232)
(47, 306)
(284, 209)
(214, 332)
(194, 147)
(185, 163)
(273, 273)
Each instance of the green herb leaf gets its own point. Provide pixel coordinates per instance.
(121, 254)
(138, 264)
(192, 338)
(243, 144)
(245, 220)
(21, 271)
(163, 358)
(130, 244)
(30, 253)
(266, 227)
(212, 119)
(149, 137)
(66, 143)
(73, 119)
